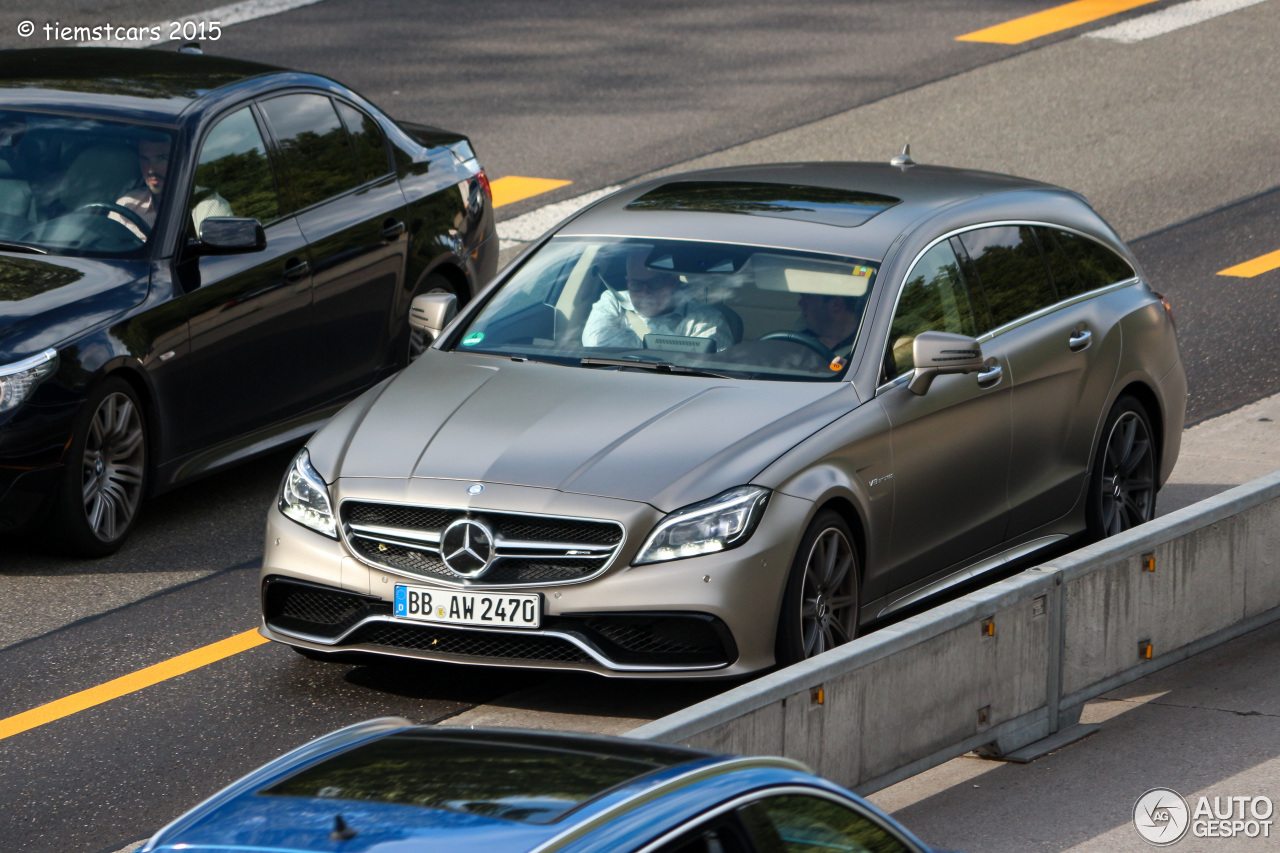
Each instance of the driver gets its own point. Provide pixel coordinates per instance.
(833, 320)
(653, 303)
(153, 163)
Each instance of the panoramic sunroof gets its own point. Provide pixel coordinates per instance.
(825, 205)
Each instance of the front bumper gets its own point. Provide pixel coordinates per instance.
(709, 616)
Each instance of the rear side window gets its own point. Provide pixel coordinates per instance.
(367, 140)
(317, 155)
(1094, 265)
(1011, 271)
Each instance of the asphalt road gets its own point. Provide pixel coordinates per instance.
(1172, 139)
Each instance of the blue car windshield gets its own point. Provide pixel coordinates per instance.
(80, 186)
(740, 311)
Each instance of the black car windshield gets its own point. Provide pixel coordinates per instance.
(80, 186)
(680, 307)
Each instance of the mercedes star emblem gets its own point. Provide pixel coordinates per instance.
(467, 548)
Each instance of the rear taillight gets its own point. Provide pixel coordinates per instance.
(484, 183)
(1168, 309)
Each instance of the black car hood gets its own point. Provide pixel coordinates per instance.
(45, 300)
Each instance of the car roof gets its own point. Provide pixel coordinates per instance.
(154, 86)
(295, 799)
(912, 194)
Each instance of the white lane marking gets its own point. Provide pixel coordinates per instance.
(530, 226)
(232, 13)
(1168, 19)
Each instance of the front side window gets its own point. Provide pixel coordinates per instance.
(80, 186)
(805, 824)
(731, 310)
(233, 174)
(934, 299)
(1010, 270)
(317, 155)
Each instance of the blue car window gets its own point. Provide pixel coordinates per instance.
(802, 824)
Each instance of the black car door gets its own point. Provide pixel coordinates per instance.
(351, 211)
(249, 314)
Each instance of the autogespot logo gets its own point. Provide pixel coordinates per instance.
(1161, 816)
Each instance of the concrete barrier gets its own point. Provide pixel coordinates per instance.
(1007, 669)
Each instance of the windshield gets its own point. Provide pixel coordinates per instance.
(683, 307)
(79, 186)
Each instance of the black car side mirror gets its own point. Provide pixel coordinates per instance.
(937, 353)
(225, 235)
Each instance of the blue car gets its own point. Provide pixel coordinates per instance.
(387, 786)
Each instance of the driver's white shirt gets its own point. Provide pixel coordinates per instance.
(607, 324)
(142, 202)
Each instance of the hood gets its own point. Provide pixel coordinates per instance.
(45, 300)
(661, 439)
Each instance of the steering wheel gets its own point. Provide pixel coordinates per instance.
(102, 208)
(805, 340)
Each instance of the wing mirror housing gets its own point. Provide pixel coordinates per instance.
(939, 353)
(431, 312)
(226, 235)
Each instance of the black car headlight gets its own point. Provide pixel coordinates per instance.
(17, 379)
(304, 497)
(718, 524)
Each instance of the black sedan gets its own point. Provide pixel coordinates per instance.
(201, 259)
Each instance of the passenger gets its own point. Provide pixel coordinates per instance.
(153, 162)
(653, 303)
(833, 320)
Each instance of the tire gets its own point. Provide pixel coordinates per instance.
(820, 604)
(434, 283)
(106, 472)
(1122, 482)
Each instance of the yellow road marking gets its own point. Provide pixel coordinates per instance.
(511, 189)
(1052, 20)
(1257, 266)
(130, 683)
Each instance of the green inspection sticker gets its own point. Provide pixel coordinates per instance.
(473, 339)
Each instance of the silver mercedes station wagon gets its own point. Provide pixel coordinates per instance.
(725, 420)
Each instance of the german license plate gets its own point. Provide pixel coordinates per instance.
(455, 607)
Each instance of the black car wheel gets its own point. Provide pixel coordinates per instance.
(820, 605)
(1122, 486)
(105, 475)
(418, 340)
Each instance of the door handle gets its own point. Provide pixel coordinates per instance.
(295, 269)
(391, 230)
(989, 376)
(1080, 340)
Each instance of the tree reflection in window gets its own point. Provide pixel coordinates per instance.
(317, 154)
(935, 299)
(1011, 271)
(233, 165)
(801, 824)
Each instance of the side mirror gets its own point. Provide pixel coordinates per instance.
(225, 235)
(938, 353)
(431, 312)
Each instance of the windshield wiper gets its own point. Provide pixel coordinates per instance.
(13, 246)
(655, 366)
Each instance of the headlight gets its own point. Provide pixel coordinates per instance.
(17, 379)
(305, 498)
(724, 522)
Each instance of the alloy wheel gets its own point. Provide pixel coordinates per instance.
(113, 464)
(828, 600)
(1128, 488)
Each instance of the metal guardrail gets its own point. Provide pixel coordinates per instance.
(1008, 668)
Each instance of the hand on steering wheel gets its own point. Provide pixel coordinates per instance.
(103, 208)
(804, 339)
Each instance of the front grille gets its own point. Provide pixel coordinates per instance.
(481, 644)
(318, 611)
(529, 549)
